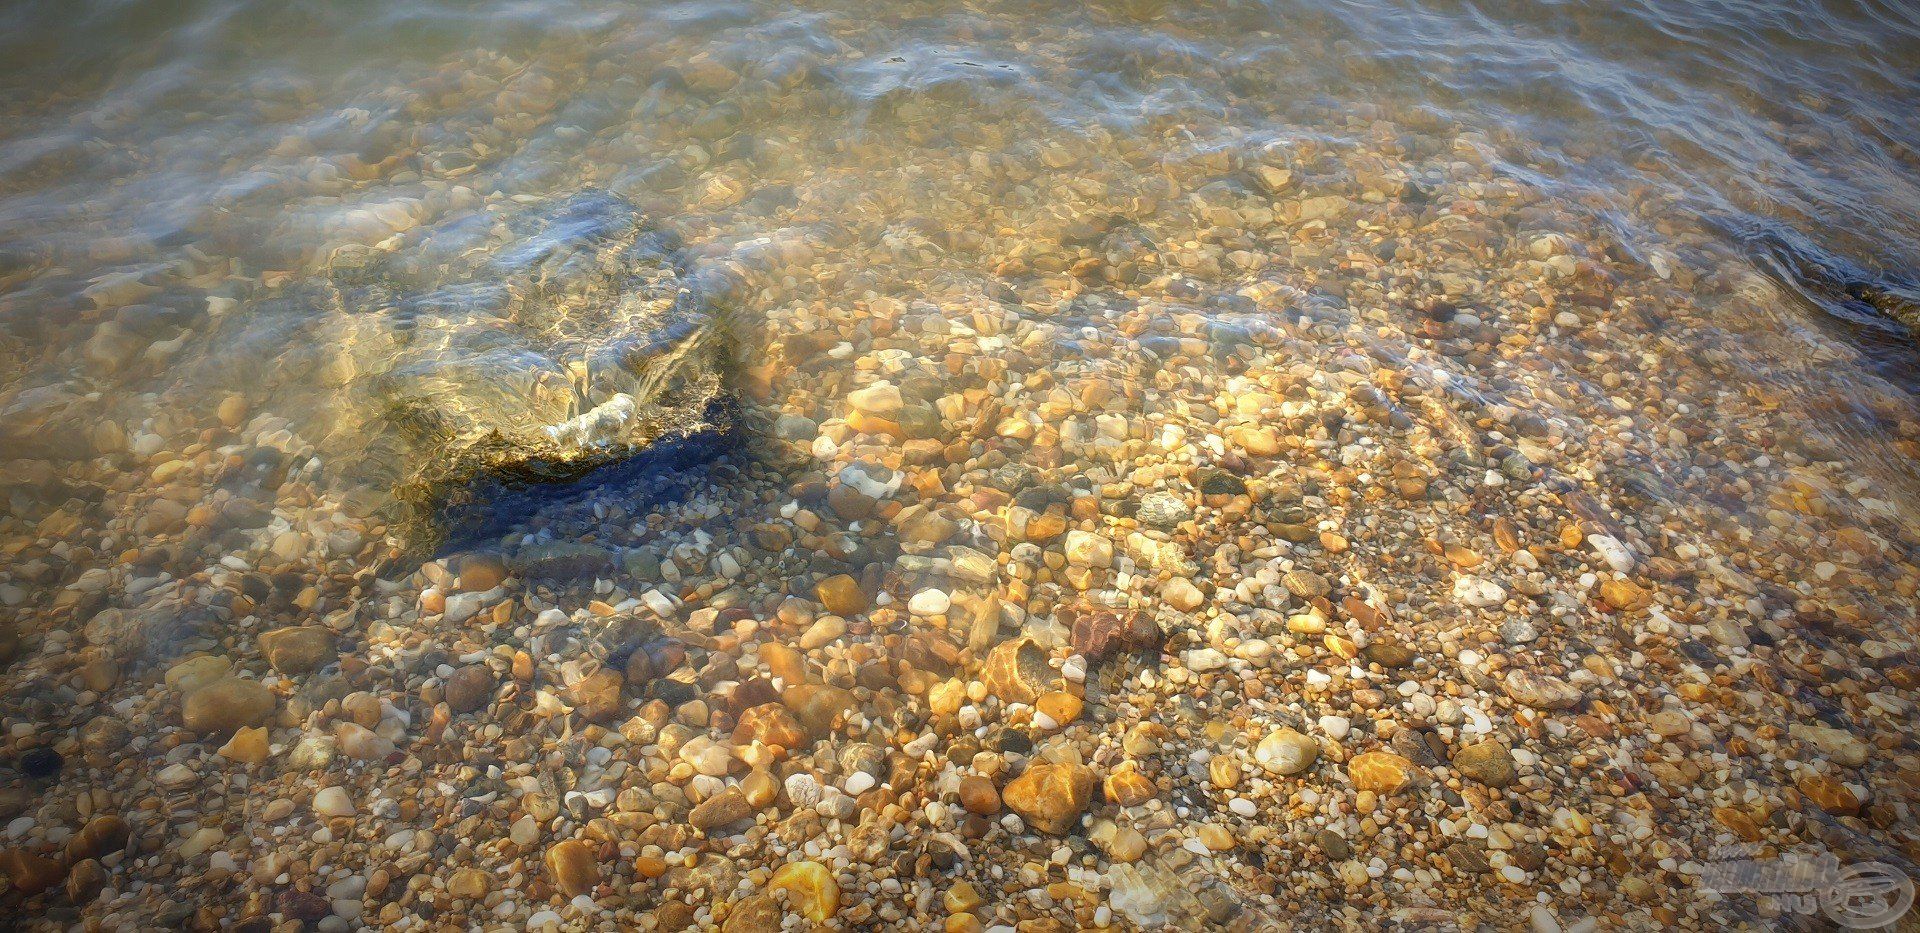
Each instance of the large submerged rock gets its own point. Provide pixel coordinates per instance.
(586, 336)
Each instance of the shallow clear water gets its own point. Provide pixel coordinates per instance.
(414, 254)
(359, 183)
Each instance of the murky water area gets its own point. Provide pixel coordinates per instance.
(1332, 465)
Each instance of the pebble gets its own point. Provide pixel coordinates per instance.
(101, 836)
(193, 673)
(598, 696)
(362, 744)
(573, 866)
(1087, 549)
(298, 649)
(882, 400)
(247, 746)
(1615, 554)
(30, 873)
(1163, 510)
(1306, 584)
(727, 807)
(841, 596)
(1201, 660)
(481, 573)
(811, 890)
(1840, 746)
(1478, 592)
(803, 790)
(1488, 762)
(469, 883)
(1125, 844)
(1518, 631)
(469, 688)
(1181, 594)
(929, 603)
(227, 704)
(978, 795)
(332, 802)
(1541, 691)
(1286, 752)
(1379, 772)
(1051, 796)
(824, 631)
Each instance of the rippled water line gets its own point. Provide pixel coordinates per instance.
(1700, 116)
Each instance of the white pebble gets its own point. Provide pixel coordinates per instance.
(929, 603)
(332, 801)
(1613, 552)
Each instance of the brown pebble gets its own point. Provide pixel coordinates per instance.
(102, 835)
(979, 795)
(728, 806)
(482, 572)
(84, 881)
(30, 872)
(842, 595)
(597, 697)
(469, 688)
(227, 704)
(574, 866)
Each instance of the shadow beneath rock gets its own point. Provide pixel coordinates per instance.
(665, 471)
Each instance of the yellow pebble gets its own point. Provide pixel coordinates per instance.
(961, 898)
(1060, 706)
(811, 890)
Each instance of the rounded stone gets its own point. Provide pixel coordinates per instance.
(1306, 584)
(770, 724)
(297, 649)
(227, 704)
(1541, 691)
(1050, 796)
(597, 696)
(1286, 751)
(811, 890)
(978, 795)
(574, 867)
(728, 806)
(929, 603)
(482, 572)
(102, 835)
(1488, 762)
(841, 595)
(469, 688)
(469, 883)
(1380, 772)
(332, 802)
